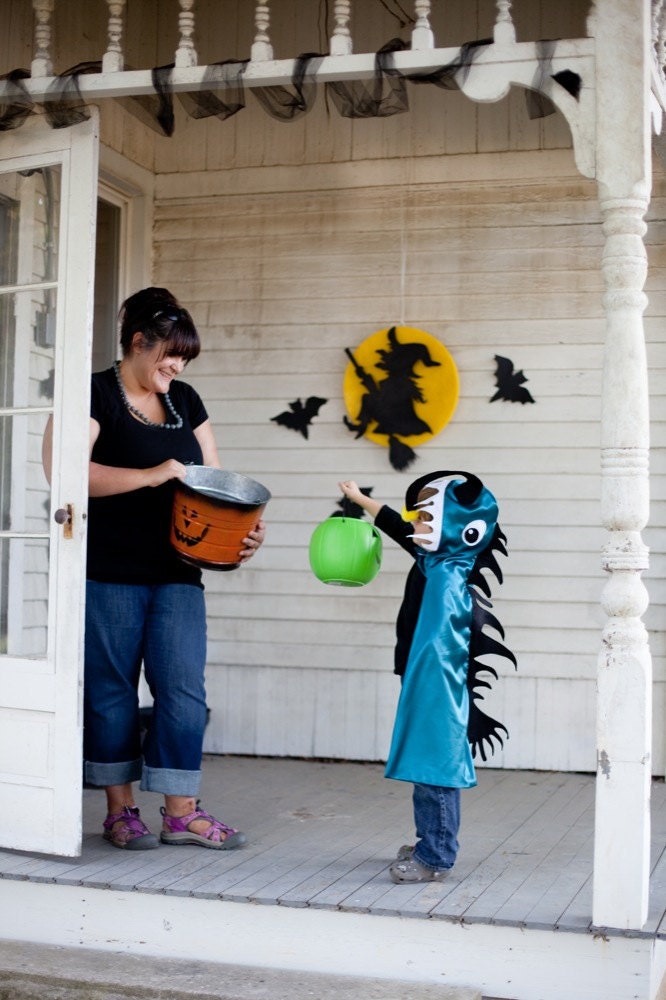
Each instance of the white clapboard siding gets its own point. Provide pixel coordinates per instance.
(290, 242)
(281, 282)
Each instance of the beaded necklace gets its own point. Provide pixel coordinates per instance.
(142, 416)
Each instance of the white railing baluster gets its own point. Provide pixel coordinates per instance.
(656, 20)
(262, 50)
(658, 24)
(504, 30)
(41, 63)
(341, 40)
(186, 54)
(113, 60)
(422, 36)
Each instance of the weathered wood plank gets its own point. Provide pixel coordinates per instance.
(322, 835)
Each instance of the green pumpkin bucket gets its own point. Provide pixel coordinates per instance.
(345, 551)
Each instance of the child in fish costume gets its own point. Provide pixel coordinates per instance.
(449, 526)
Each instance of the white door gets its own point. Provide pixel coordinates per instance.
(48, 184)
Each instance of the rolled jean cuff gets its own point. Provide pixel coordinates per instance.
(431, 868)
(122, 773)
(169, 781)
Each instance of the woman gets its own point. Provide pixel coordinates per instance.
(143, 603)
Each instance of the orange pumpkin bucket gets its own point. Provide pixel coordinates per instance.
(213, 510)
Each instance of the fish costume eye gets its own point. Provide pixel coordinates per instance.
(474, 532)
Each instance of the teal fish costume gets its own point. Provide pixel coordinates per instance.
(439, 726)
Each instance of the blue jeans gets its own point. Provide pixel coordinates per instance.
(165, 628)
(437, 820)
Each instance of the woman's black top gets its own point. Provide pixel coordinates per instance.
(128, 533)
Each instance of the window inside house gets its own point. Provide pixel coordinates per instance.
(107, 268)
(29, 240)
(29, 206)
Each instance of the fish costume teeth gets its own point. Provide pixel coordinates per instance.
(439, 727)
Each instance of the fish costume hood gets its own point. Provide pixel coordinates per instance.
(439, 726)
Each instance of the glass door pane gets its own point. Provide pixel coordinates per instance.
(29, 214)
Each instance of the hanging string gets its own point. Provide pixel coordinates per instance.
(401, 15)
(323, 20)
(403, 258)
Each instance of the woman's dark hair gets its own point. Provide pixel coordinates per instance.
(156, 314)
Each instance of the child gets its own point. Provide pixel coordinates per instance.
(449, 525)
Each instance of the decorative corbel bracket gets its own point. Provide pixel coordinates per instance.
(489, 78)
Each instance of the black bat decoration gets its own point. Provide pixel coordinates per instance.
(510, 382)
(572, 82)
(299, 416)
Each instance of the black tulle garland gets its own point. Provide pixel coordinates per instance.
(65, 106)
(386, 94)
(221, 93)
(17, 104)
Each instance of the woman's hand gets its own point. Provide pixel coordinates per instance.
(252, 542)
(171, 469)
(107, 480)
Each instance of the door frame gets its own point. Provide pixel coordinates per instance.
(47, 689)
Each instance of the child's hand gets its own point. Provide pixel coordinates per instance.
(352, 491)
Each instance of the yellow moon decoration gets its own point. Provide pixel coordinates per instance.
(429, 389)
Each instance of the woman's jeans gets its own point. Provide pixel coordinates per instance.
(164, 627)
(437, 820)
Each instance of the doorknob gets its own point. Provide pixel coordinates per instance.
(65, 515)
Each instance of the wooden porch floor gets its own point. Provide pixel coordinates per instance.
(322, 835)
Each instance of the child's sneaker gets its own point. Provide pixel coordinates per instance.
(411, 870)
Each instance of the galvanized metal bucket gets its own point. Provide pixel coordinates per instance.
(213, 510)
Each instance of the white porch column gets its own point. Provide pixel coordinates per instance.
(624, 737)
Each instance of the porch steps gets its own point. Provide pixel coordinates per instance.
(43, 972)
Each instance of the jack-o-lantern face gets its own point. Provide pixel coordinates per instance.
(188, 527)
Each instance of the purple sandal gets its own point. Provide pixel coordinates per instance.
(125, 829)
(218, 836)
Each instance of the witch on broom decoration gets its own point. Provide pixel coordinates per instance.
(410, 400)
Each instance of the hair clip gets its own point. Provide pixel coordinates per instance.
(173, 314)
